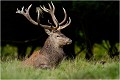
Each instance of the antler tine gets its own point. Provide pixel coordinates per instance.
(44, 9)
(26, 14)
(64, 17)
(38, 15)
(64, 26)
(51, 11)
(49, 6)
(44, 26)
(53, 7)
(49, 22)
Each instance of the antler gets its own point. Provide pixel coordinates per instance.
(68, 22)
(64, 26)
(26, 14)
(51, 11)
(64, 17)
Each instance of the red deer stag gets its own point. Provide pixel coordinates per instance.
(51, 54)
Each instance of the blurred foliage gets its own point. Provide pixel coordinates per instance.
(99, 51)
(10, 52)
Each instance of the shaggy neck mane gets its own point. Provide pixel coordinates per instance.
(50, 47)
(54, 52)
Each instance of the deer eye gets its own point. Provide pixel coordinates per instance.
(58, 35)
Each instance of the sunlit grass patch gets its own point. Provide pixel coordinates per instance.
(77, 69)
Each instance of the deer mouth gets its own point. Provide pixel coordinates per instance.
(69, 42)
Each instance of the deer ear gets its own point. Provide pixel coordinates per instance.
(48, 31)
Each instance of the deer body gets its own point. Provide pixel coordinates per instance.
(51, 54)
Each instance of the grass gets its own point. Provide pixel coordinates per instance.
(77, 69)
(11, 68)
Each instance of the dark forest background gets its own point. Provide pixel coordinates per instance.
(92, 22)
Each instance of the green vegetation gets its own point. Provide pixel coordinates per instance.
(78, 69)
(11, 68)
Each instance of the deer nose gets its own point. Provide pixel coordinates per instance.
(69, 41)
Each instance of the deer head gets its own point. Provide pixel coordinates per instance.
(53, 31)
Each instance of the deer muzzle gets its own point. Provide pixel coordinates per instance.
(69, 41)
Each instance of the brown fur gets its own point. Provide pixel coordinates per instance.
(51, 54)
